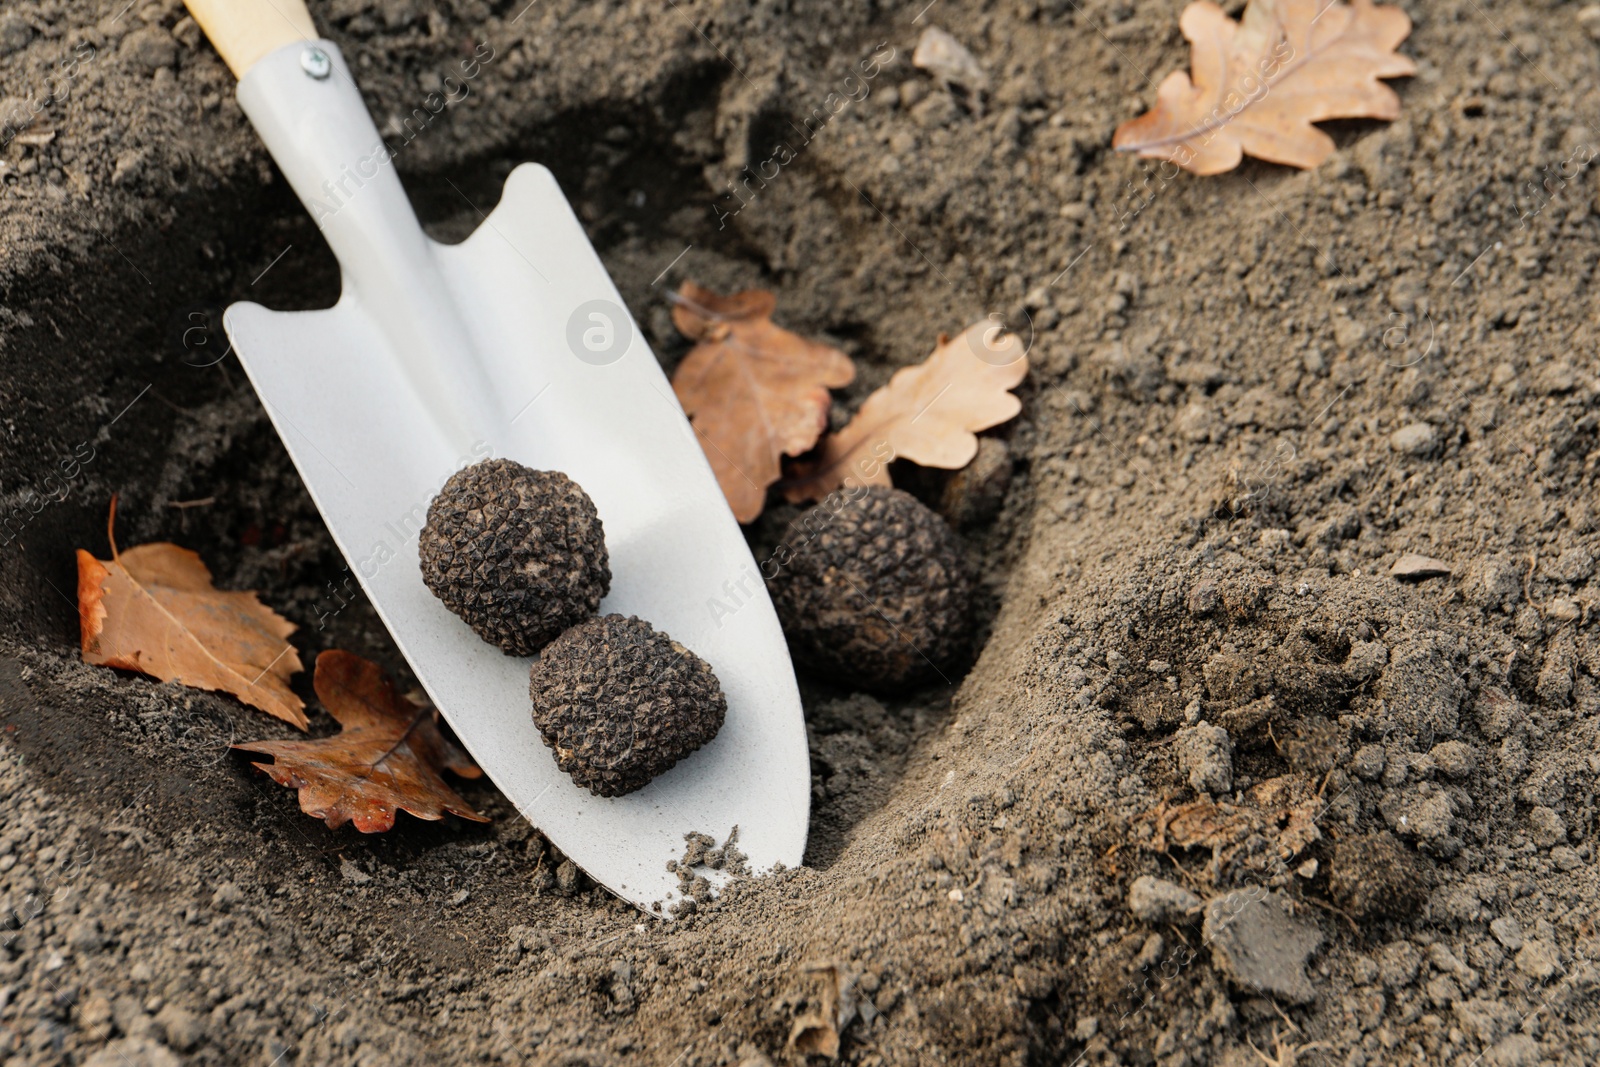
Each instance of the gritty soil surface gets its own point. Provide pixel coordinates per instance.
(1362, 806)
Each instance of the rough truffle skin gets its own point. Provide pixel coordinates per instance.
(620, 702)
(872, 592)
(518, 554)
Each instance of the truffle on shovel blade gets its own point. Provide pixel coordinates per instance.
(620, 702)
(872, 592)
(518, 554)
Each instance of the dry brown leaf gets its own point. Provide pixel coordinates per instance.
(1202, 823)
(1261, 82)
(387, 758)
(1283, 809)
(754, 391)
(154, 610)
(816, 1032)
(927, 414)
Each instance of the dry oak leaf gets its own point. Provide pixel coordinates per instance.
(387, 758)
(928, 414)
(154, 610)
(754, 391)
(1261, 82)
(1284, 810)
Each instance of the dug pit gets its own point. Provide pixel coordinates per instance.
(1250, 396)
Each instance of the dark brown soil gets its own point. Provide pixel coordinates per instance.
(1251, 395)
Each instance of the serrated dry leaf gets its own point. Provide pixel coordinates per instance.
(928, 414)
(154, 610)
(754, 391)
(1260, 83)
(387, 758)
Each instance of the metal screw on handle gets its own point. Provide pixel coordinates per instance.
(315, 62)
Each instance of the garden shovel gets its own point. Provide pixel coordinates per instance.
(512, 343)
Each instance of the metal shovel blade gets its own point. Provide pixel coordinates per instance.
(515, 343)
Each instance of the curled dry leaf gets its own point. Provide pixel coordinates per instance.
(928, 414)
(154, 610)
(835, 1006)
(387, 758)
(1260, 83)
(1284, 810)
(754, 391)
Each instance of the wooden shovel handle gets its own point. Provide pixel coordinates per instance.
(242, 31)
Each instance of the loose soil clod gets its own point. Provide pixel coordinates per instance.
(1374, 876)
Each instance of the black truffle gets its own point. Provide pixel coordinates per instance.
(620, 702)
(871, 591)
(519, 554)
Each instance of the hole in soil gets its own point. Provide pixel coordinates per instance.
(175, 429)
